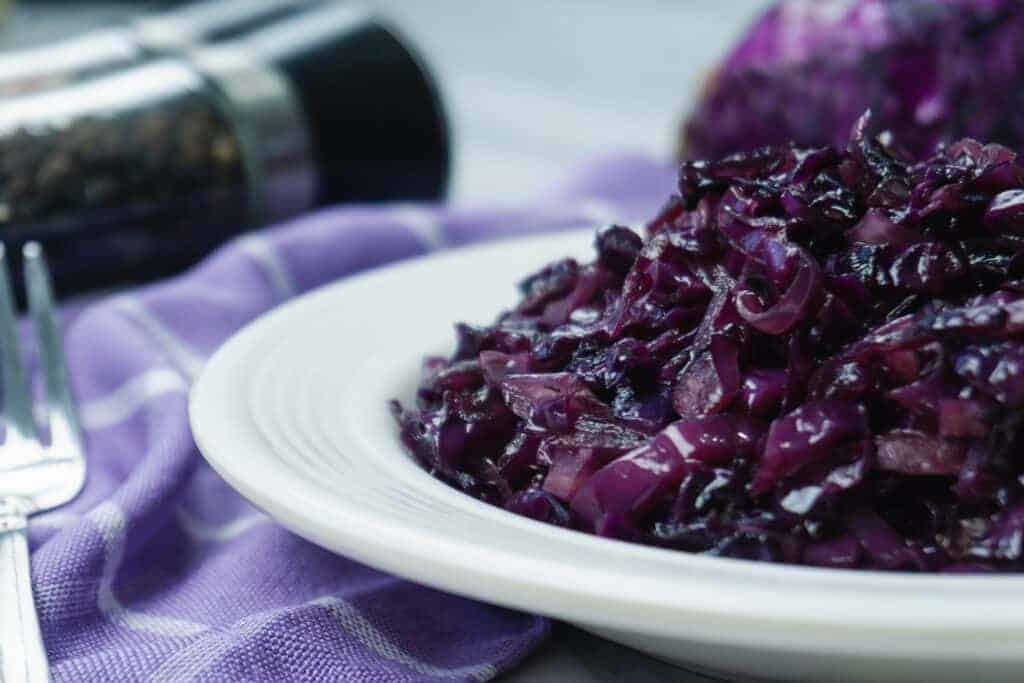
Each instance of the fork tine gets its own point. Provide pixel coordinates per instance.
(65, 431)
(17, 402)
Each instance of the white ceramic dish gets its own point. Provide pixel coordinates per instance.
(293, 413)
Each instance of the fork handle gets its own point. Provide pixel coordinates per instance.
(22, 654)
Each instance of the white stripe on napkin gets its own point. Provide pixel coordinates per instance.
(184, 356)
(199, 530)
(130, 397)
(368, 634)
(263, 253)
(110, 521)
(189, 663)
(423, 221)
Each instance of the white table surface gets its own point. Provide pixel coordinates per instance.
(536, 87)
(533, 88)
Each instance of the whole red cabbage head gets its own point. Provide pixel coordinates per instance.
(931, 70)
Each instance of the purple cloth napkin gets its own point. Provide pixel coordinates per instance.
(159, 571)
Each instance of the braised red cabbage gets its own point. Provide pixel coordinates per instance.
(815, 356)
(931, 70)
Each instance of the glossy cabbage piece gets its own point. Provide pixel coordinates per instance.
(931, 70)
(811, 356)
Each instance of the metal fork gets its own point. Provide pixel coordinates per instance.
(34, 476)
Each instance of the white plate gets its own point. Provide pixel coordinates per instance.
(293, 413)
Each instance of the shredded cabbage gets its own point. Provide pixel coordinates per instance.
(815, 356)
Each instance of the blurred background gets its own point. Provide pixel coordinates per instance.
(537, 86)
(532, 88)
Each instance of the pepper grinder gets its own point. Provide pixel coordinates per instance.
(135, 174)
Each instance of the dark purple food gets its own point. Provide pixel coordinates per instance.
(931, 71)
(816, 357)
